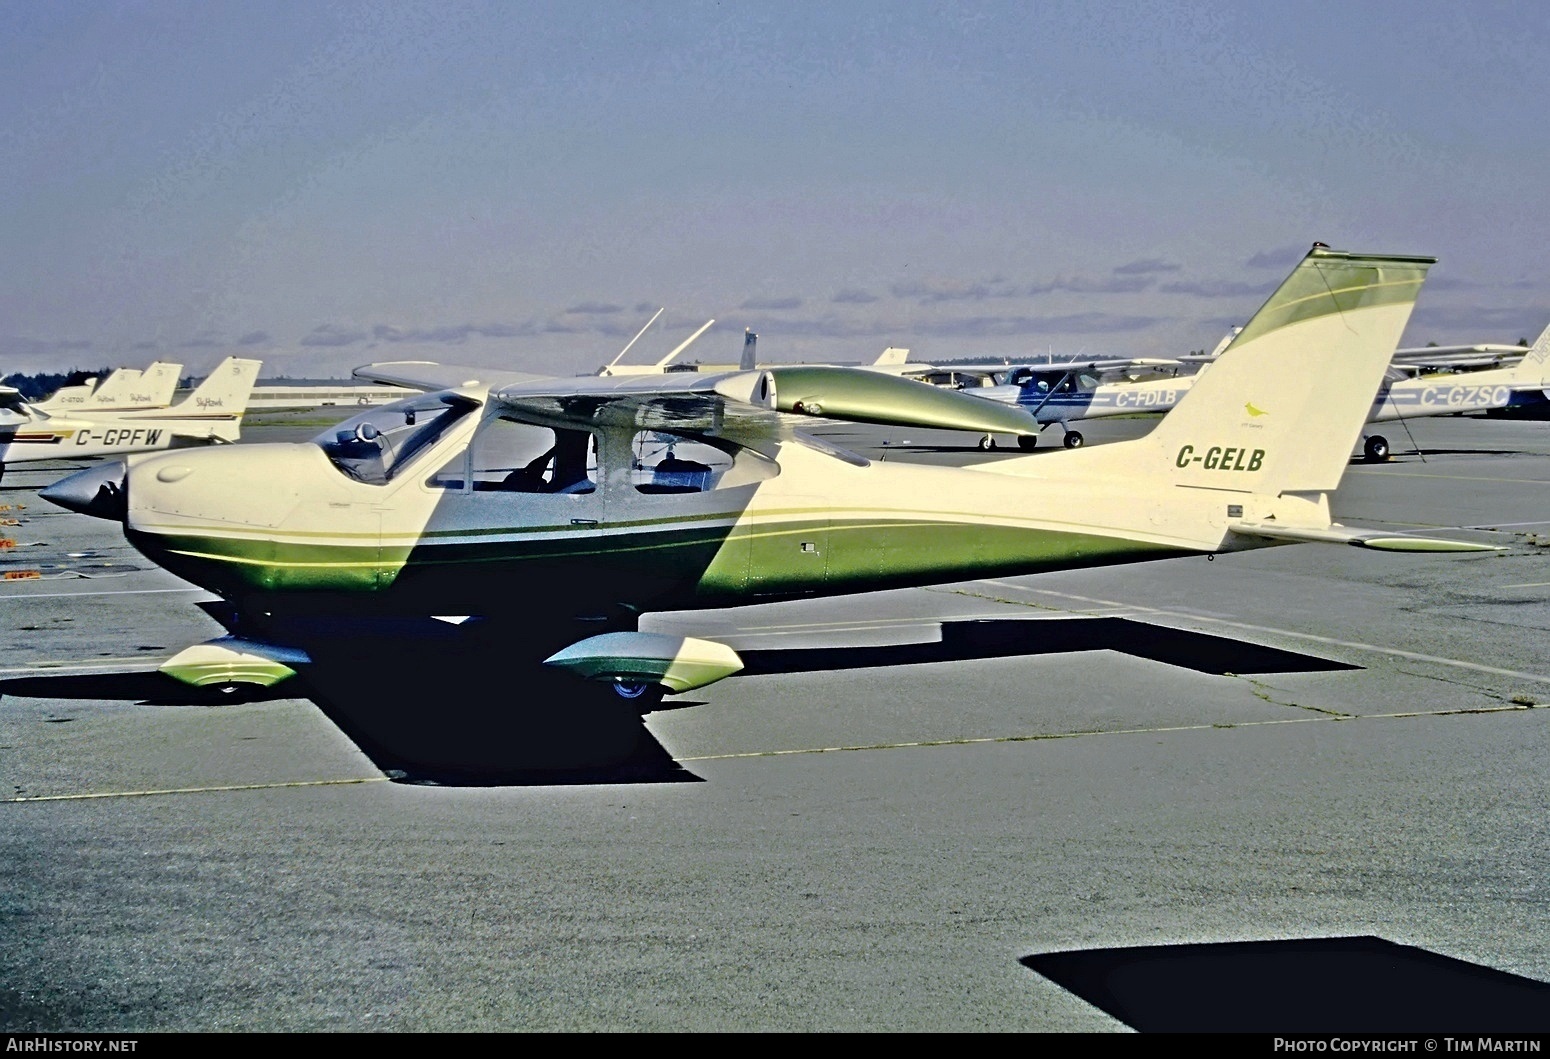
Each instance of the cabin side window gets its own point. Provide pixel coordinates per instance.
(676, 463)
(507, 456)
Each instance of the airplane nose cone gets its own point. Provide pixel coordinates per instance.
(96, 491)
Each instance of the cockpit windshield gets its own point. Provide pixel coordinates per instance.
(378, 444)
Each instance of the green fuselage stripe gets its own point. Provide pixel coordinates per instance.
(661, 567)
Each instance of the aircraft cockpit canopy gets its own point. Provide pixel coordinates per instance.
(1057, 380)
(378, 444)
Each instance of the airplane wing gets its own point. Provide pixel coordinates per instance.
(1463, 358)
(764, 402)
(429, 376)
(1486, 348)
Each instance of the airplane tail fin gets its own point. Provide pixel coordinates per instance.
(213, 412)
(750, 340)
(154, 388)
(114, 391)
(1281, 408)
(1534, 369)
(893, 355)
(1227, 339)
(67, 397)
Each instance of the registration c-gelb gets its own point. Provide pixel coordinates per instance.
(1218, 458)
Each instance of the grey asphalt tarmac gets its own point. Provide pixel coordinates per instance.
(1299, 751)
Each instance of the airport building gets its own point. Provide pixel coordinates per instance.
(275, 394)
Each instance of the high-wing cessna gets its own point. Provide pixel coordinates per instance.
(1403, 396)
(125, 389)
(1067, 390)
(212, 413)
(562, 509)
(1459, 379)
(1061, 393)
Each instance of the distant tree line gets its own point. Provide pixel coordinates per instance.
(36, 387)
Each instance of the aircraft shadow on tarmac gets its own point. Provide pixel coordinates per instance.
(1004, 638)
(1315, 985)
(454, 710)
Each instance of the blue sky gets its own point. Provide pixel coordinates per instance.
(328, 184)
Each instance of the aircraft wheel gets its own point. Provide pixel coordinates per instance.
(644, 697)
(987, 442)
(1027, 442)
(1074, 440)
(1376, 448)
(227, 691)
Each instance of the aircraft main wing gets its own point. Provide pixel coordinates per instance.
(764, 402)
(1427, 352)
(430, 376)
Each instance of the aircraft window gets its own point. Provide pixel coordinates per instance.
(376, 445)
(511, 457)
(676, 463)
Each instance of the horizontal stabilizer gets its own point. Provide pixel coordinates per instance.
(1384, 542)
(678, 663)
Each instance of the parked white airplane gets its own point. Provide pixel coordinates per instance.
(1525, 384)
(124, 389)
(212, 413)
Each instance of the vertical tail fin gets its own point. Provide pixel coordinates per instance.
(1283, 405)
(1534, 369)
(214, 410)
(67, 398)
(155, 386)
(114, 391)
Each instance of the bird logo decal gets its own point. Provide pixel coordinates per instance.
(1255, 412)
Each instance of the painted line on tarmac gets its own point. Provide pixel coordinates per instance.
(1450, 477)
(1354, 644)
(979, 740)
(871, 623)
(105, 592)
(191, 790)
(132, 663)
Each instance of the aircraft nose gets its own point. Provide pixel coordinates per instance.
(96, 491)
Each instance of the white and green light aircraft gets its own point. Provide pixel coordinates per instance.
(563, 509)
(211, 414)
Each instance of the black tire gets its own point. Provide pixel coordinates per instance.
(1376, 449)
(1027, 442)
(1074, 439)
(987, 442)
(643, 697)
